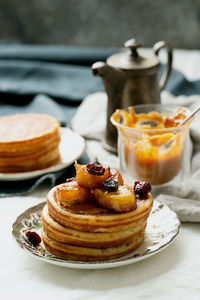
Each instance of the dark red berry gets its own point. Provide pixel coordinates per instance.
(110, 185)
(71, 179)
(142, 188)
(33, 237)
(95, 169)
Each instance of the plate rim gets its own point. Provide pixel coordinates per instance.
(122, 261)
(52, 169)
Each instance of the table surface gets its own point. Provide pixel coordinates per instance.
(170, 274)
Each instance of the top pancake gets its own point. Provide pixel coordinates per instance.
(91, 217)
(26, 127)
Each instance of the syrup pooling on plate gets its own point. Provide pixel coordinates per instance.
(94, 216)
(152, 143)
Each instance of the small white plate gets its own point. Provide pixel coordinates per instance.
(162, 228)
(71, 147)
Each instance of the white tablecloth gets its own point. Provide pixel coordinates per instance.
(171, 274)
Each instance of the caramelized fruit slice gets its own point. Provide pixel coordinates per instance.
(117, 177)
(85, 179)
(121, 201)
(71, 193)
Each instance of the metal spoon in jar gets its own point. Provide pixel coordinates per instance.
(169, 143)
(190, 116)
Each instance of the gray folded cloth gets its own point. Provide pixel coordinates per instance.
(182, 194)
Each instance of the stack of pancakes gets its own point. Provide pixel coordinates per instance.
(28, 142)
(89, 232)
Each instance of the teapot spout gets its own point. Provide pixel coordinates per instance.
(101, 69)
(113, 78)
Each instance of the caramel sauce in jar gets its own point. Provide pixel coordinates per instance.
(151, 144)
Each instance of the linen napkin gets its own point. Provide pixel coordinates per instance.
(182, 194)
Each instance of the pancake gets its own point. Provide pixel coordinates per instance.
(28, 142)
(26, 127)
(63, 234)
(27, 147)
(91, 217)
(68, 251)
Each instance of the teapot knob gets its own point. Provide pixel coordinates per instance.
(133, 45)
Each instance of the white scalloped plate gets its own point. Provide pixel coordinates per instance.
(162, 228)
(71, 148)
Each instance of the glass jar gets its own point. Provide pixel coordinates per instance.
(151, 154)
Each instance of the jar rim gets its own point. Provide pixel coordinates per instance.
(148, 130)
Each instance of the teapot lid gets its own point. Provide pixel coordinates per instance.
(131, 60)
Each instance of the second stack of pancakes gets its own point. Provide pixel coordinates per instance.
(28, 142)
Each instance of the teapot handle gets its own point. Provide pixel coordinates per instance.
(156, 49)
